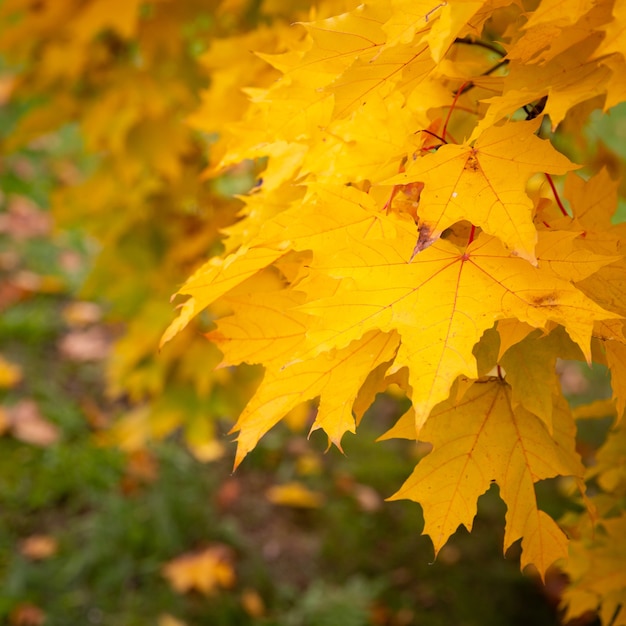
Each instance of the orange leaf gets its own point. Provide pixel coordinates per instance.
(10, 374)
(39, 547)
(206, 571)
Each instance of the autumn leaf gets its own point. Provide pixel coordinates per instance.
(597, 570)
(27, 424)
(10, 374)
(252, 603)
(27, 614)
(457, 294)
(215, 279)
(485, 183)
(530, 369)
(484, 439)
(294, 494)
(335, 376)
(90, 344)
(39, 547)
(165, 619)
(569, 78)
(206, 571)
(79, 313)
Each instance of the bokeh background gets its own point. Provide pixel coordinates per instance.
(118, 505)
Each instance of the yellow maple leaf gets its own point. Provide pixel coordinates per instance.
(511, 331)
(484, 439)
(569, 78)
(615, 39)
(441, 303)
(485, 183)
(214, 279)
(266, 327)
(609, 469)
(335, 376)
(555, 12)
(454, 18)
(596, 568)
(530, 368)
(367, 145)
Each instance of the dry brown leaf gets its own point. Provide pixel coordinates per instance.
(28, 424)
(27, 614)
(368, 498)
(81, 313)
(228, 493)
(39, 547)
(141, 469)
(91, 344)
(24, 220)
(10, 294)
(26, 283)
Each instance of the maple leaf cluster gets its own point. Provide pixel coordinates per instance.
(415, 226)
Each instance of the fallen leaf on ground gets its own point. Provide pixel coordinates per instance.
(85, 345)
(207, 451)
(30, 282)
(39, 547)
(82, 313)
(27, 615)
(205, 571)
(252, 603)
(10, 374)
(27, 424)
(24, 220)
(142, 468)
(165, 619)
(294, 494)
(10, 294)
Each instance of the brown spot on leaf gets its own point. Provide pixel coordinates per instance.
(548, 299)
(472, 165)
(424, 240)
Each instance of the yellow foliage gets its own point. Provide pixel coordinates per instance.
(409, 207)
(407, 227)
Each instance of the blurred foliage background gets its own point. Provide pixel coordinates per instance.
(117, 502)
